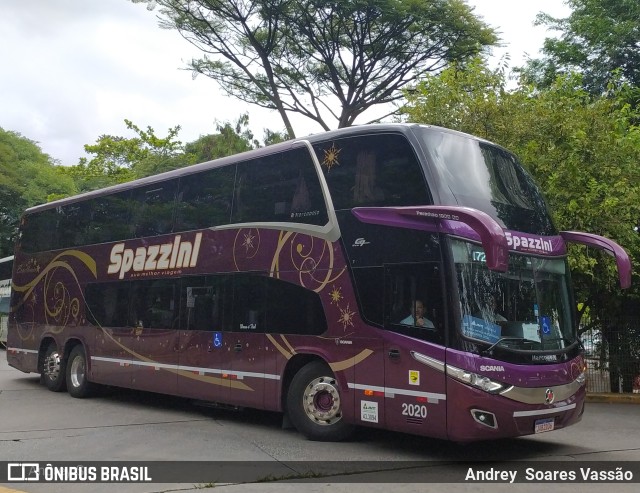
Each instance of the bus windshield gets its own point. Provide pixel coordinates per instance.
(526, 308)
(483, 176)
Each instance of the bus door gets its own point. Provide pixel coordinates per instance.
(154, 314)
(415, 396)
(204, 320)
(245, 341)
(368, 372)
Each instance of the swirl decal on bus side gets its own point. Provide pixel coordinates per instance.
(60, 307)
(335, 366)
(308, 256)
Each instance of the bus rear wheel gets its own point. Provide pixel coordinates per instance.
(53, 369)
(77, 383)
(314, 405)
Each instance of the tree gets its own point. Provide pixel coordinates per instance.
(583, 151)
(598, 37)
(119, 159)
(227, 141)
(302, 56)
(27, 177)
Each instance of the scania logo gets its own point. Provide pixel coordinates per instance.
(548, 396)
(343, 342)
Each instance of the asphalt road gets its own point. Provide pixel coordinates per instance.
(37, 425)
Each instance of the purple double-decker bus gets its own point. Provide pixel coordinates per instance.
(404, 277)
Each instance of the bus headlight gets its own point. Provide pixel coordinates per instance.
(478, 381)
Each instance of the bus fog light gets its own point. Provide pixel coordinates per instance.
(484, 418)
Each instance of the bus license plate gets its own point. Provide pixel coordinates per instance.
(542, 425)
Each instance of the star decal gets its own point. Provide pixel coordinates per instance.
(346, 317)
(248, 241)
(335, 295)
(331, 157)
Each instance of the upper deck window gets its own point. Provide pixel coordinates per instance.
(282, 187)
(153, 208)
(204, 199)
(372, 170)
(488, 178)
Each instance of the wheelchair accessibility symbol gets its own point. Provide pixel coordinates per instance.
(546, 325)
(217, 339)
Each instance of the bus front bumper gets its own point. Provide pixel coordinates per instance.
(473, 414)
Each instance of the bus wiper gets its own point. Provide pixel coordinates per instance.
(490, 348)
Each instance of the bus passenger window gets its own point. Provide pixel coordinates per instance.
(204, 199)
(301, 201)
(153, 208)
(366, 188)
(153, 304)
(73, 223)
(107, 304)
(293, 309)
(369, 282)
(372, 170)
(203, 303)
(281, 187)
(110, 218)
(39, 231)
(199, 308)
(249, 303)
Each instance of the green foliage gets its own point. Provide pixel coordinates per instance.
(582, 150)
(118, 159)
(27, 177)
(598, 37)
(304, 56)
(227, 141)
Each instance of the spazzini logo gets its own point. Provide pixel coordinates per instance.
(177, 254)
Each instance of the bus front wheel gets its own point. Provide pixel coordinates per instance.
(53, 369)
(314, 406)
(77, 383)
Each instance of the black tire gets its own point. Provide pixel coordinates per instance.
(77, 383)
(53, 369)
(313, 404)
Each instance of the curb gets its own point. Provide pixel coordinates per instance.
(613, 398)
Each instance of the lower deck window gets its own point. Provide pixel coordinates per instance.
(227, 302)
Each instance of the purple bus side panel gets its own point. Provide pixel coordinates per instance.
(248, 369)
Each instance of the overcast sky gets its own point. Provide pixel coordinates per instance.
(73, 70)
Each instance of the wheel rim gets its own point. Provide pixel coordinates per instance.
(52, 365)
(321, 401)
(77, 372)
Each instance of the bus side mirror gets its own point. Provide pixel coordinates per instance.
(446, 219)
(623, 261)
